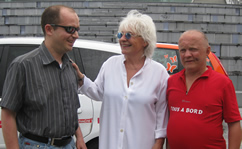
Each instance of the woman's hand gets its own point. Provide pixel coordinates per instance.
(79, 74)
(158, 143)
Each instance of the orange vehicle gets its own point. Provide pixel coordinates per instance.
(168, 55)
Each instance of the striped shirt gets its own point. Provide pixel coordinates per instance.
(43, 94)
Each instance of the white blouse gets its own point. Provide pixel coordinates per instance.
(131, 117)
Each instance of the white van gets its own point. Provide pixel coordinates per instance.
(88, 55)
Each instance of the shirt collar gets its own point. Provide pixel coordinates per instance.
(204, 75)
(147, 60)
(47, 58)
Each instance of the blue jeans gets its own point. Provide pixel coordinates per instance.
(25, 143)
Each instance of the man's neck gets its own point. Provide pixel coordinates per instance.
(195, 73)
(191, 76)
(56, 55)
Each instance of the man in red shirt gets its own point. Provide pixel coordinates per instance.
(199, 99)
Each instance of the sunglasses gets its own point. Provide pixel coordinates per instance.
(68, 29)
(127, 35)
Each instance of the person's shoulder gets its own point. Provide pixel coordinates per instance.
(114, 58)
(219, 77)
(156, 64)
(175, 77)
(27, 56)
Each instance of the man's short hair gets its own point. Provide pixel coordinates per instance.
(51, 15)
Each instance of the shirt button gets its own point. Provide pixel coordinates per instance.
(121, 130)
(125, 97)
(131, 83)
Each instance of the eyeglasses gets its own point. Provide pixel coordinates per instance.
(127, 35)
(68, 29)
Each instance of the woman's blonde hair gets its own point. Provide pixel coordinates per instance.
(142, 25)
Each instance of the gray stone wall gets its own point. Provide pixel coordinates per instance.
(99, 21)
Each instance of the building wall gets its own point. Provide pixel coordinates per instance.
(99, 21)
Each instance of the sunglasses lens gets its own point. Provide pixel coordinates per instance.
(119, 35)
(70, 30)
(127, 35)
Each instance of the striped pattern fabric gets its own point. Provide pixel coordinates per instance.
(43, 94)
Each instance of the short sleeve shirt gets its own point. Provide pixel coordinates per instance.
(43, 94)
(196, 117)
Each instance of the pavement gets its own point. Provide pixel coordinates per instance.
(226, 129)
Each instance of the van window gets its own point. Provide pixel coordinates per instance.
(17, 50)
(1, 52)
(168, 58)
(9, 53)
(13, 51)
(92, 61)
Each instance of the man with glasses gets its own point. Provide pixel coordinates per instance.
(40, 97)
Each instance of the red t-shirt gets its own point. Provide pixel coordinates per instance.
(196, 117)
